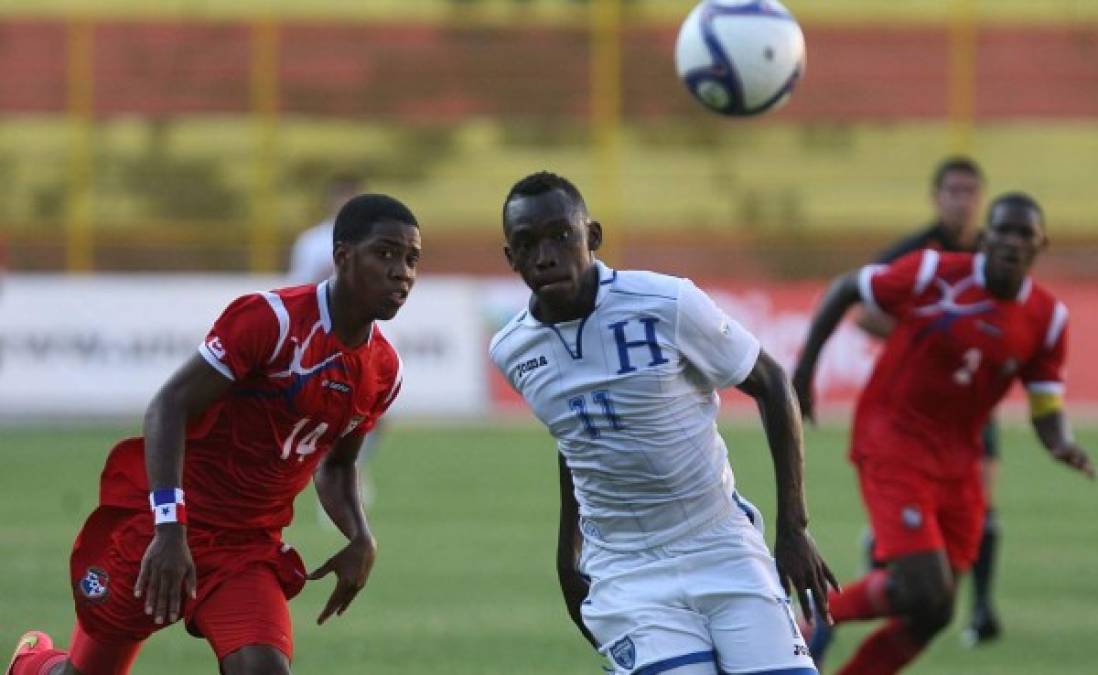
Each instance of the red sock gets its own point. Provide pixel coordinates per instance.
(884, 652)
(38, 663)
(866, 598)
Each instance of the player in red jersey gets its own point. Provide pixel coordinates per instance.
(956, 190)
(967, 326)
(282, 390)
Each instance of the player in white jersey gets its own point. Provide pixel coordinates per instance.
(662, 563)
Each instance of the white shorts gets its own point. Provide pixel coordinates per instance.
(710, 602)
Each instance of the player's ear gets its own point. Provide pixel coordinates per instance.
(510, 257)
(594, 235)
(340, 252)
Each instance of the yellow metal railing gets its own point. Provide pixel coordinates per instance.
(604, 20)
(605, 116)
(263, 254)
(963, 38)
(79, 250)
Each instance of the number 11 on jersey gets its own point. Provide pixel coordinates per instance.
(578, 404)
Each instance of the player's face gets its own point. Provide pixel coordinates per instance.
(380, 269)
(551, 243)
(957, 200)
(1011, 241)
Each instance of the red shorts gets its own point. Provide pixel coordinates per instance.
(244, 582)
(911, 512)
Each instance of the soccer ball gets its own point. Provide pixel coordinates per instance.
(740, 57)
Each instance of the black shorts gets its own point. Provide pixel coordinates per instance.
(991, 439)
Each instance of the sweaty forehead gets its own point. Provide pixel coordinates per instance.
(534, 210)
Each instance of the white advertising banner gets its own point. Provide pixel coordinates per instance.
(101, 345)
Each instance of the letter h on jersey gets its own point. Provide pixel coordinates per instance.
(625, 345)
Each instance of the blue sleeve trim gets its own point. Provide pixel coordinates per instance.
(675, 662)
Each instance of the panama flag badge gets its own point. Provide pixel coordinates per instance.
(94, 585)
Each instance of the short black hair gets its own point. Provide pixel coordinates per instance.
(542, 182)
(357, 218)
(1019, 199)
(959, 163)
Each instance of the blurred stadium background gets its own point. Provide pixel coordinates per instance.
(157, 159)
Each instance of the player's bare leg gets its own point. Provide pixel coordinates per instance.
(256, 660)
(917, 590)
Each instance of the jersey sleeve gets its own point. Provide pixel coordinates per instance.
(244, 338)
(715, 344)
(1044, 373)
(498, 355)
(891, 288)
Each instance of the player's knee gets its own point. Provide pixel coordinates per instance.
(920, 581)
(931, 618)
(256, 660)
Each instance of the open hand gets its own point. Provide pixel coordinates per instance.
(351, 565)
(167, 570)
(1075, 457)
(801, 567)
(575, 587)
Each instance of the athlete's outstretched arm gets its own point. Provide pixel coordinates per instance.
(569, 543)
(799, 563)
(1052, 428)
(167, 566)
(842, 293)
(336, 480)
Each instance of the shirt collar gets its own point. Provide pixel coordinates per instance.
(607, 277)
(322, 304)
(979, 273)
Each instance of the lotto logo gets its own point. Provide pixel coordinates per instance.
(214, 344)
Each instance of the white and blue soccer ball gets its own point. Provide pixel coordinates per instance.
(740, 57)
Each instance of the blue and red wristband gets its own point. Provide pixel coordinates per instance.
(168, 506)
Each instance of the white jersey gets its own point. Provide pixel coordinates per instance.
(311, 257)
(630, 394)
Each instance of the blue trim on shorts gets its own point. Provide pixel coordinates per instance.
(684, 660)
(799, 670)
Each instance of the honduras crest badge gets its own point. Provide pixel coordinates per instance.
(94, 585)
(624, 653)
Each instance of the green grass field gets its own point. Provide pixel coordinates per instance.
(465, 582)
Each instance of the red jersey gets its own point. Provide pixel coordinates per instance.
(952, 357)
(296, 391)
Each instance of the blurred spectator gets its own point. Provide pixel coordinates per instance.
(311, 257)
